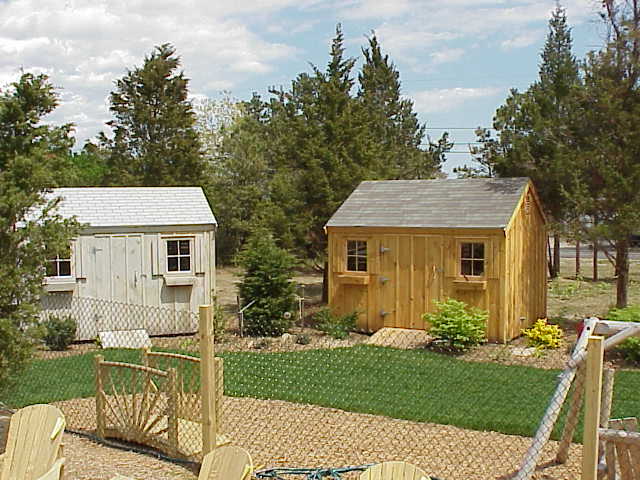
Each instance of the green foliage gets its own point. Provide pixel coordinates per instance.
(286, 164)
(543, 335)
(33, 158)
(303, 339)
(59, 332)
(155, 141)
(336, 326)
(219, 321)
(456, 325)
(630, 348)
(267, 281)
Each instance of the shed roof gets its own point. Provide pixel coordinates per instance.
(135, 206)
(442, 203)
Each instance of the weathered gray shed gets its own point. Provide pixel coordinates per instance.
(151, 246)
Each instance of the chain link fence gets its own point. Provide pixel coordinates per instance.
(308, 400)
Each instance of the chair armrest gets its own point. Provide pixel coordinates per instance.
(55, 472)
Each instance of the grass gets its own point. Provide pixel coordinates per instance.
(412, 385)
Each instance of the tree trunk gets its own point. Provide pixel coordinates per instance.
(556, 255)
(549, 258)
(595, 261)
(577, 258)
(325, 283)
(622, 268)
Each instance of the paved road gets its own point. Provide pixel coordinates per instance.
(587, 253)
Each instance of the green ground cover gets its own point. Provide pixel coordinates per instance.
(414, 385)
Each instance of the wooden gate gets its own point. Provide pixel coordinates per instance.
(158, 404)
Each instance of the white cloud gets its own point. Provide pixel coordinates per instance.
(523, 39)
(446, 55)
(439, 100)
(85, 45)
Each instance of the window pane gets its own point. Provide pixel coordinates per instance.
(478, 250)
(362, 264)
(478, 267)
(64, 267)
(362, 248)
(172, 264)
(352, 248)
(351, 263)
(465, 250)
(172, 247)
(466, 267)
(51, 268)
(185, 264)
(184, 247)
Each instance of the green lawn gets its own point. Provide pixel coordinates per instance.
(414, 385)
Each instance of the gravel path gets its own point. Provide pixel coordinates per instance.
(279, 433)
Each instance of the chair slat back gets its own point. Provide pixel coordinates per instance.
(33, 442)
(228, 462)
(394, 471)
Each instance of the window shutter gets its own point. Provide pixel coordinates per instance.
(77, 254)
(156, 255)
(198, 253)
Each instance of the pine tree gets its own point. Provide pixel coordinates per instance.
(154, 136)
(532, 128)
(397, 134)
(32, 154)
(605, 130)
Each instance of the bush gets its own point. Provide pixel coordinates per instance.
(268, 281)
(219, 322)
(456, 325)
(337, 326)
(59, 332)
(630, 348)
(542, 335)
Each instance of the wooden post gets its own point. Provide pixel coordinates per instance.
(97, 360)
(172, 412)
(208, 386)
(593, 393)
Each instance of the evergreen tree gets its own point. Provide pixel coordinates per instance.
(605, 130)
(397, 133)
(32, 154)
(532, 128)
(154, 136)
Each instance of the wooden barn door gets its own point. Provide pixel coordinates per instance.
(411, 277)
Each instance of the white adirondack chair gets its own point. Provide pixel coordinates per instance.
(33, 450)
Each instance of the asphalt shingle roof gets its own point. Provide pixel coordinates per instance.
(135, 206)
(444, 203)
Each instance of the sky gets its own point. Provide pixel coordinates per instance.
(457, 58)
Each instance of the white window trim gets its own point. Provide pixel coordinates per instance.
(165, 254)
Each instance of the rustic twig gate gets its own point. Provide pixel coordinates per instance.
(171, 403)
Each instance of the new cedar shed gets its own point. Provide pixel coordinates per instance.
(396, 246)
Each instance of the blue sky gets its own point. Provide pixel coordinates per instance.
(457, 58)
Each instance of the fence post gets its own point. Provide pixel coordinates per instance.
(593, 395)
(172, 414)
(100, 420)
(208, 386)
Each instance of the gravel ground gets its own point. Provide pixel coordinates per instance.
(296, 435)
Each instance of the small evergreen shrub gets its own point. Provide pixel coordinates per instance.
(630, 348)
(456, 325)
(543, 335)
(303, 339)
(59, 332)
(268, 281)
(337, 326)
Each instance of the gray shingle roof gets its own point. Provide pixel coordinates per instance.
(448, 203)
(135, 206)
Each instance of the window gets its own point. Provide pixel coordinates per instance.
(59, 267)
(178, 255)
(472, 259)
(357, 255)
